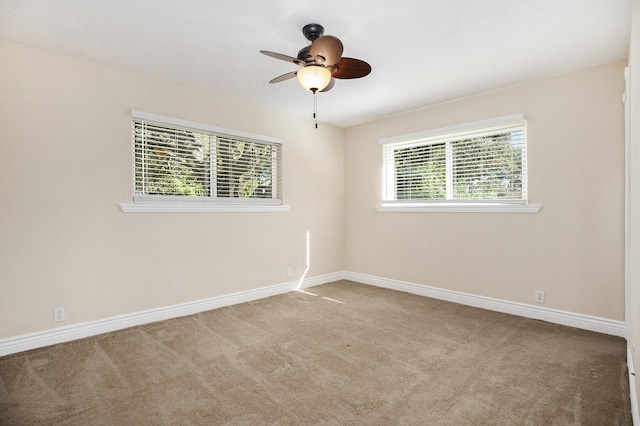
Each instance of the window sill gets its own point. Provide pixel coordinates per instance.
(458, 208)
(200, 208)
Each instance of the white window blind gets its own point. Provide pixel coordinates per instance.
(178, 162)
(474, 164)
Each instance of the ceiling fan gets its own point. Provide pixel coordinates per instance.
(321, 62)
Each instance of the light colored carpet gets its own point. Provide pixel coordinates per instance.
(347, 354)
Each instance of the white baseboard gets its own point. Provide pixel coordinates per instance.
(585, 322)
(54, 336)
(78, 331)
(635, 413)
(321, 279)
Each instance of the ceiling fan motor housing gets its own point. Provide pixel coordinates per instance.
(305, 55)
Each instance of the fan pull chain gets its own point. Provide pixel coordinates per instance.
(315, 107)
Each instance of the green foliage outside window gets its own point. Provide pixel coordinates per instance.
(481, 168)
(421, 172)
(178, 162)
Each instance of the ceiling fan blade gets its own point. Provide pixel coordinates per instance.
(282, 57)
(332, 83)
(284, 77)
(351, 68)
(326, 50)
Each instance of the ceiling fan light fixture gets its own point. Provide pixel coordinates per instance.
(314, 77)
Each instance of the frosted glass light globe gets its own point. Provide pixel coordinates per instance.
(314, 77)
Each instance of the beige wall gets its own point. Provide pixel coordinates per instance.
(65, 164)
(573, 249)
(633, 326)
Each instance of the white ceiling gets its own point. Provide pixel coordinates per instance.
(422, 51)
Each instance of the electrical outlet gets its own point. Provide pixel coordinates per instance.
(289, 271)
(539, 297)
(58, 314)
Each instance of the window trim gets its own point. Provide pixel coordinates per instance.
(454, 206)
(458, 207)
(169, 204)
(200, 126)
(198, 207)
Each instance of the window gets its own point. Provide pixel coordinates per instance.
(200, 167)
(467, 167)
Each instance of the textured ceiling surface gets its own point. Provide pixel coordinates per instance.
(422, 52)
